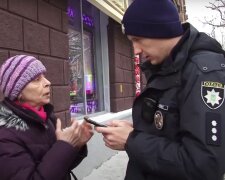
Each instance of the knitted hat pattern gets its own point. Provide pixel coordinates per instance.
(16, 72)
(152, 19)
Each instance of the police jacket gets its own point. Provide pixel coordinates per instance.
(28, 146)
(179, 118)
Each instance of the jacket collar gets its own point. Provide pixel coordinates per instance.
(177, 58)
(9, 119)
(26, 115)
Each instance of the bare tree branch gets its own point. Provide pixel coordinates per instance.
(219, 7)
(216, 21)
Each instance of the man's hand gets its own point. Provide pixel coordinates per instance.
(77, 134)
(116, 134)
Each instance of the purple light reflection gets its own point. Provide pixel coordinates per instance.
(87, 20)
(71, 12)
(78, 108)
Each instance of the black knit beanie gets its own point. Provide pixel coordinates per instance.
(152, 19)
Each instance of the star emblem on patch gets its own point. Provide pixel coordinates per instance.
(212, 94)
(213, 97)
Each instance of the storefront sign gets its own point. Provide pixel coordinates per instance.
(137, 74)
(113, 8)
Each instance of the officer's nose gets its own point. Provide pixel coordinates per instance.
(137, 49)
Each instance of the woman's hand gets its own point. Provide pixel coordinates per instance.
(87, 132)
(70, 134)
(77, 134)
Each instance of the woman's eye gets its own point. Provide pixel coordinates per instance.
(37, 79)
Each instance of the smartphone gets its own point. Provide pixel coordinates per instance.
(87, 119)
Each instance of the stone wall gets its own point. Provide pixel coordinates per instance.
(181, 6)
(121, 69)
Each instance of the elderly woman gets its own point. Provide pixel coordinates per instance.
(32, 143)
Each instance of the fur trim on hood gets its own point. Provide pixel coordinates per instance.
(10, 120)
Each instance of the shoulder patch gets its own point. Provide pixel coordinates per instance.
(209, 61)
(212, 94)
(213, 129)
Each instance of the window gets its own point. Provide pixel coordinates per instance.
(86, 81)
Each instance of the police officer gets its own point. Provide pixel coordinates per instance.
(178, 130)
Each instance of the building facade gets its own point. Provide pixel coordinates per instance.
(181, 6)
(90, 63)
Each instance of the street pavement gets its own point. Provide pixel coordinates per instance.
(113, 169)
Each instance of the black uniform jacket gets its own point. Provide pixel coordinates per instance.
(179, 118)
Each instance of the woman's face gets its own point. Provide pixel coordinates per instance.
(37, 92)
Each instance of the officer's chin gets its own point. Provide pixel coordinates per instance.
(154, 62)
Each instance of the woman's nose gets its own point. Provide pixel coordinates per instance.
(46, 82)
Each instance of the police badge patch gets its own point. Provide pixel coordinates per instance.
(158, 119)
(212, 94)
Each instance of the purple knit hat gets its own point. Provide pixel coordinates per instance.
(17, 72)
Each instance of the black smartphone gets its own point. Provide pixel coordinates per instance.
(87, 119)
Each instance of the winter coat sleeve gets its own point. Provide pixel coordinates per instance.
(17, 163)
(82, 154)
(198, 152)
